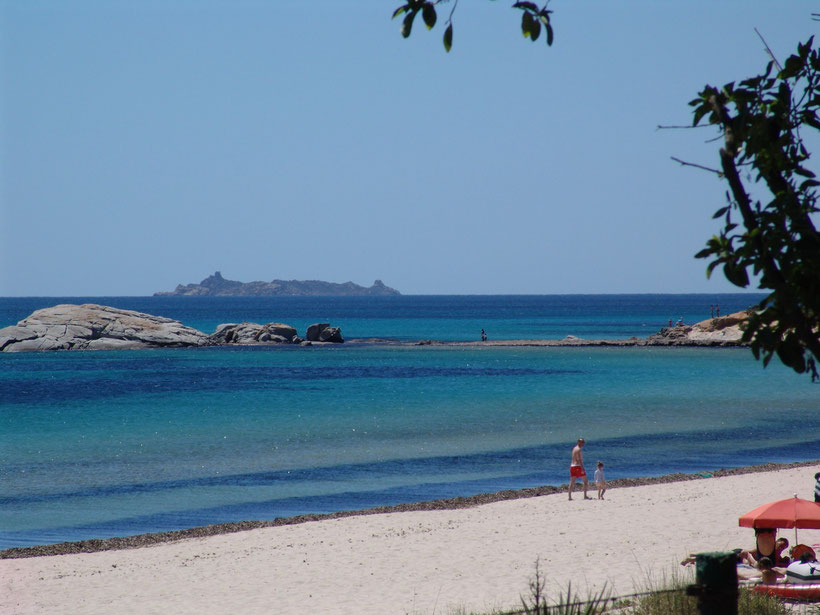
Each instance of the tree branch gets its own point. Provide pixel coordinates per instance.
(769, 51)
(744, 204)
(697, 166)
(452, 10)
(662, 127)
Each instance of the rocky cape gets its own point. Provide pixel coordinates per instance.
(722, 331)
(99, 327)
(217, 286)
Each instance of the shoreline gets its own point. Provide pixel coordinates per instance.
(567, 342)
(144, 540)
(478, 559)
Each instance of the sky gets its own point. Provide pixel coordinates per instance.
(147, 144)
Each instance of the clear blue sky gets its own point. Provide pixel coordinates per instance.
(146, 144)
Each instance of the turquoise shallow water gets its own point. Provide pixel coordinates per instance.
(102, 444)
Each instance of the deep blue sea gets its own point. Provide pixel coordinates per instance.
(114, 443)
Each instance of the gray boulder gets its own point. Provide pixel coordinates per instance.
(315, 330)
(281, 331)
(236, 333)
(332, 335)
(96, 327)
(253, 333)
(323, 332)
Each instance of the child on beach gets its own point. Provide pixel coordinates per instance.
(600, 481)
(769, 574)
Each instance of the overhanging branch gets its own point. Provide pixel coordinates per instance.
(697, 166)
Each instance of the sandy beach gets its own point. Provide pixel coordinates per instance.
(419, 562)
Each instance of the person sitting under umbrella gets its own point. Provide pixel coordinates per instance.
(779, 546)
(766, 546)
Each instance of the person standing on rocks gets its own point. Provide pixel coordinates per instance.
(576, 468)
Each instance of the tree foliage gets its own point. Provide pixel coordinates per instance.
(534, 19)
(763, 121)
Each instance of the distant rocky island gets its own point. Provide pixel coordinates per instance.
(217, 286)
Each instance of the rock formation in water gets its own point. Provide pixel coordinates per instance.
(323, 332)
(99, 327)
(722, 331)
(252, 333)
(96, 327)
(216, 285)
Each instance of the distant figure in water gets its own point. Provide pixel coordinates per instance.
(483, 336)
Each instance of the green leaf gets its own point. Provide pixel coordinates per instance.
(720, 212)
(699, 113)
(736, 275)
(448, 38)
(753, 82)
(803, 50)
(549, 34)
(400, 10)
(791, 354)
(407, 24)
(792, 67)
(526, 6)
(812, 120)
(527, 26)
(428, 13)
(535, 30)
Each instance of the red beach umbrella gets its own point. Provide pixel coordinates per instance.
(791, 512)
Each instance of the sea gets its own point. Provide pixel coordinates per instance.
(102, 444)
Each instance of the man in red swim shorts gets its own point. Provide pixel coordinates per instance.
(576, 468)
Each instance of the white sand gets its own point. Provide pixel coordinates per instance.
(413, 562)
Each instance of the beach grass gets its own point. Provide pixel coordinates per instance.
(666, 597)
(668, 601)
(678, 603)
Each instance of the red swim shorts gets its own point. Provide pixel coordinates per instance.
(577, 471)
